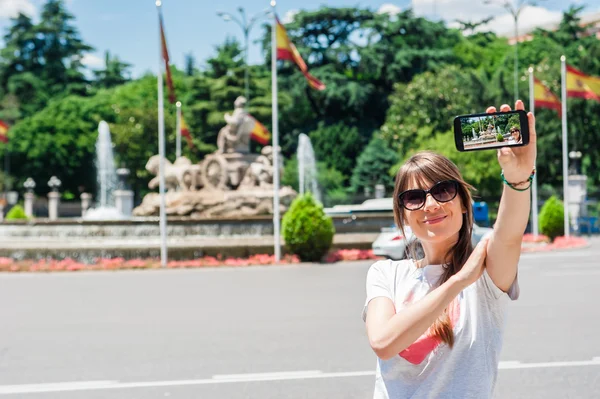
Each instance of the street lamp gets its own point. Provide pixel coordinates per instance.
(515, 11)
(54, 183)
(122, 174)
(29, 185)
(246, 26)
(576, 157)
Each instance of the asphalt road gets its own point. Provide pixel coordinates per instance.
(267, 332)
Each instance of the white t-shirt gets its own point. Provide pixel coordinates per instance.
(429, 368)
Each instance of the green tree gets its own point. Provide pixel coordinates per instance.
(115, 72)
(373, 166)
(338, 146)
(21, 51)
(432, 100)
(62, 49)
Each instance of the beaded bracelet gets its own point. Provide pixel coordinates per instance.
(512, 185)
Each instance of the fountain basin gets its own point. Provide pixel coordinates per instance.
(187, 238)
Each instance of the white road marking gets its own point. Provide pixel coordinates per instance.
(251, 377)
(512, 365)
(572, 273)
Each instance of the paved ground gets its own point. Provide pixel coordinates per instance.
(267, 332)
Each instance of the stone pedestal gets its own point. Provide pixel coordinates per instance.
(86, 200)
(53, 201)
(379, 191)
(124, 201)
(577, 191)
(29, 199)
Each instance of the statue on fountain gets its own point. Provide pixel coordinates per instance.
(235, 136)
(229, 182)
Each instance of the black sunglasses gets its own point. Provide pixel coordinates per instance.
(444, 191)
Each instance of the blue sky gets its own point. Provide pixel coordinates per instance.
(128, 28)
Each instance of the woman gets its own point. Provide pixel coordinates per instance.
(436, 324)
(515, 133)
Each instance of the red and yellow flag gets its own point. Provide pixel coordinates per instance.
(259, 133)
(544, 98)
(581, 85)
(3, 132)
(287, 51)
(165, 54)
(185, 132)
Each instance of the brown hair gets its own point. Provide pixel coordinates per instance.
(428, 167)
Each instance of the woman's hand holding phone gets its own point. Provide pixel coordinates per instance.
(518, 162)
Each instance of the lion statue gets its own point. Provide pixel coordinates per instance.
(180, 175)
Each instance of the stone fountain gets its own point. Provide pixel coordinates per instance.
(229, 182)
(221, 205)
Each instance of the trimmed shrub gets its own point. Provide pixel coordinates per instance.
(16, 212)
(552, 217)
(499, 137)
(307, 230)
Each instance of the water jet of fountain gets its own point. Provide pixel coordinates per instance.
(307, 167)
(106, 176)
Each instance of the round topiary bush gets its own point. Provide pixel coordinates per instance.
(499, 137)
(307, 230)
(552, 217)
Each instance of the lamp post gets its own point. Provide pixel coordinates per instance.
(54, 183)
(576, 157)
(53, 197)
(29, 185)
(246, 26)
(514, 8)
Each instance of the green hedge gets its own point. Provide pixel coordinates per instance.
(307, 230)
(552, 216)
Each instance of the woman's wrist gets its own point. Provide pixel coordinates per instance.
(517, 183)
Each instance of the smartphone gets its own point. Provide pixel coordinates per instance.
(487, 131)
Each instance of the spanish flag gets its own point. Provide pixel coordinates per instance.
(544, 98)
(580, 85)
(3, 132)
(165, 55)
(259, 133)
(287, 51)
(185, 132)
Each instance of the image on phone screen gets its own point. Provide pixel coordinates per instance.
(488, 131)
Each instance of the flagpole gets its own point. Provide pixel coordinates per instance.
(161, 152)
(276, 233)
(534, 195)
(178, 132)
(563, 61)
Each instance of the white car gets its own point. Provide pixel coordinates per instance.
(393, 245)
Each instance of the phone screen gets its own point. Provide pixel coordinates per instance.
(479, 132)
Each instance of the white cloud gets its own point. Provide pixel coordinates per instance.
(92, 61)
(389, 8)
(473, 11)
(288, 17)
(11, 8)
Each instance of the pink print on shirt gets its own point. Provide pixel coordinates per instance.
(425, 344)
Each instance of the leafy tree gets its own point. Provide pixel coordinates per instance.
(432, 100)
(21, 51)
(115, 72)
(373, 166)
(62, 49)
(338, 146)
(190, 64)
